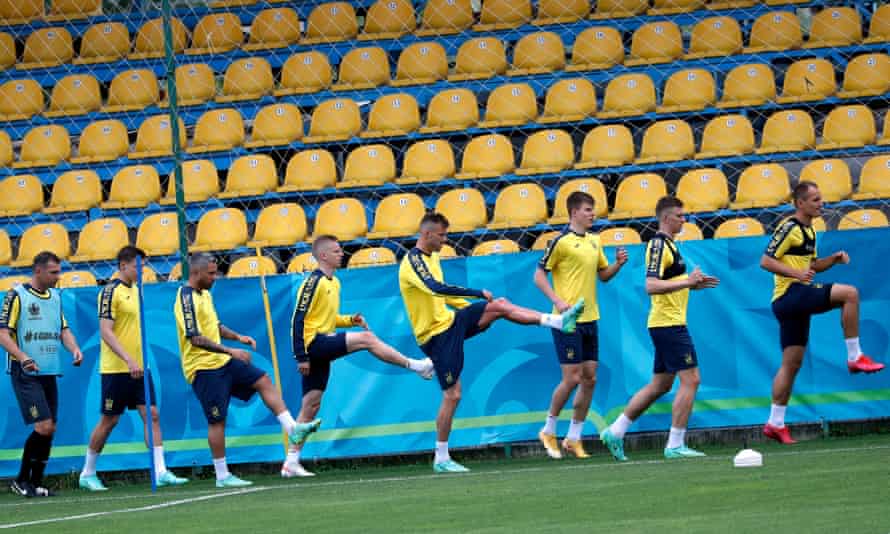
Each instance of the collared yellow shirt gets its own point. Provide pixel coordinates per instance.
(120, 303)
(663, 261)
(574, 261)
(196, 316)
(317, 311)
(793, 244)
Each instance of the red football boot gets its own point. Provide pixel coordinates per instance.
(779, 434)
(863, 364)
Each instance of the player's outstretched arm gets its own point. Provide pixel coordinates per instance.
(772, 265)
(227, 333)
(823, 264)
(542, 282)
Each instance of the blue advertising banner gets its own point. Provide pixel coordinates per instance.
(371, 408)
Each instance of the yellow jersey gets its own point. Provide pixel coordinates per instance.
(317, 311)
(794, 244)
(119, 302)
(663, 261)
(428, 299)
(574, 260)
(196, 316)
(9, 311)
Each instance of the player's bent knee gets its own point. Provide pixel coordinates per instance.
(45, 428)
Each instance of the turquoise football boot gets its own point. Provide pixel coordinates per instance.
(682, 452)
(169, 479)
(302, 430)
(449, 466)
(232, 481)
(91, 483)
(614, 444)
(570, 316)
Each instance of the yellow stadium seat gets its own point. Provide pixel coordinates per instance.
(609, 9)
(715, 37)
(47, 47)
(10, 282)
(773, 32)
(762, 186)
(158, 234)
(519, 205)
(75, 191)
(573, 99)
(44, 146)
(20, 11)
(866, 75)
(343, 218)
(276, 125)
(427, 161)
(667, 140)
(20, 99)
(337, 119)
(5, 248)
(479, 58)
(251, 175)
(703, 190)
(628, 95)
(103, 43)
(75, 94)
(591, 186)
(218, 130)
(6, 156)
(787, 131)
(331, 22)
(7, 51)
(655, 42)
(879, 26)
(302, 263)
(561, 11)
(101, 239)
(369, 166)
(247, 79)
(70, 279)
(220, 229)
(618, 236)
(808, 80)
(503, 14)
(495, 246)
(195, 85)
(688, 90)
(310, 170)
(362, 68)
(447, 253)
(637, 195)
(819, 224)
(51, 237)
(834, 27)
(102, 141)
(279, 225)
(273, 28)
(874, 179)
(388, 19)
(487, 156)
(252, 266)
(421, 63)
(464, 208)
(510, 104)
(727, 135)
(543, 240)
(445, 17)
(215, 34)
(689, 232)
(747, 85)
(200, 181)
(609, 145)
(596, 48)
(149, 276)
(132, 90)
(547, 151)
(62, 10)
(848, 127)
(135, 186)
(391, 115)
(832, 176)
(450, 110)
(397, 215)
(305, 72)
(863, 218)
(149, 42)
(155, 138)
(20, 195)
(739, 227)
(671, 7)
(538, 53)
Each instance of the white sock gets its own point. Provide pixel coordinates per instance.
(777, 415)
(677, 438)
(442, 452)
(415, 365)
(620, 426)
(550, 425)
(222, 470)
(575, 430)
(287, 421)
(551, 320)
(160, 466)
(853, 349)
(89, 465)
(293, 456)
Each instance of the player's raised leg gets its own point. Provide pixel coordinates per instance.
(501, 308)
(847, 297)
(367, 340)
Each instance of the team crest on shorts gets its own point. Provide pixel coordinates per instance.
(34, 412)
(688, 358)
(449, 378)
(109, 404)
(214, 411)
(570, 353)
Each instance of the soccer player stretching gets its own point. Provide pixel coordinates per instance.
(441, 332)
(575, 259)
(668, 286)
(791, 257)
(316, 343)
(121, 369)
(217, 372)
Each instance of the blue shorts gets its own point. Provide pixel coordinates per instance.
(120, 392)
(673, 349)
(215, 387)
(446, 349)
(324, 349)
(580, 346)
(794, 309)
(38, 395)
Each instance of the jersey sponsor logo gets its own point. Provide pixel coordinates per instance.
(40, 336)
